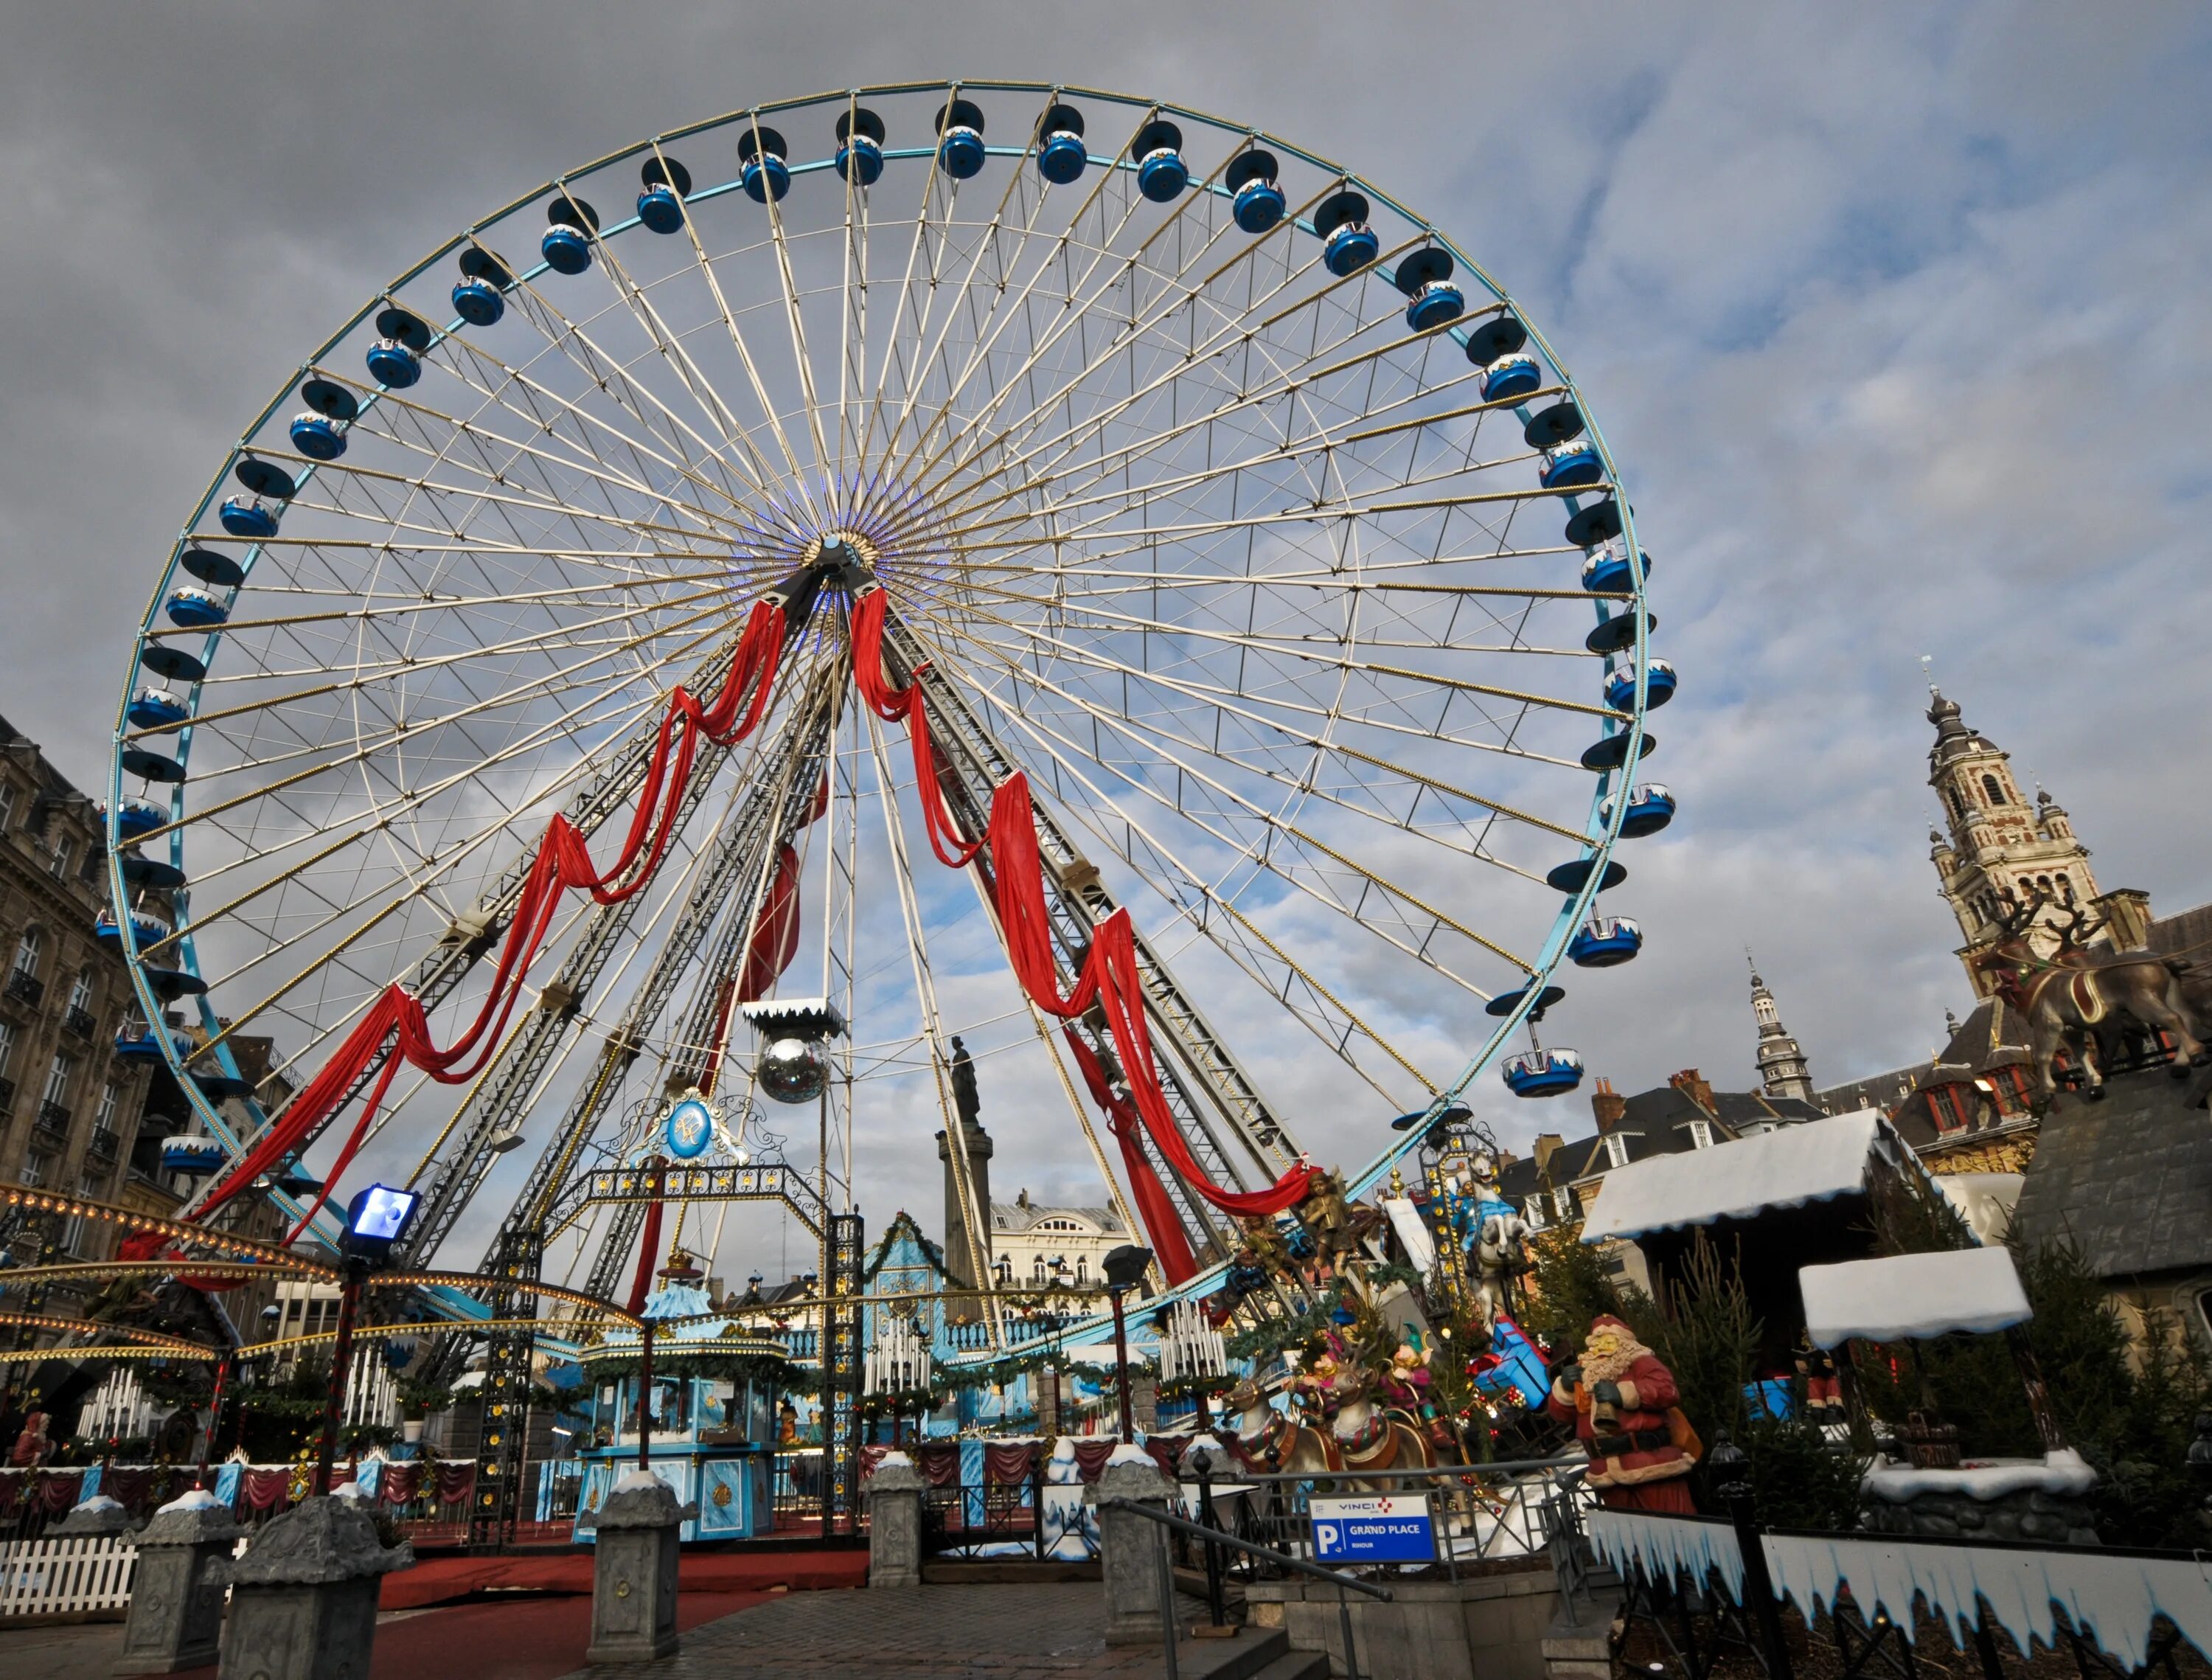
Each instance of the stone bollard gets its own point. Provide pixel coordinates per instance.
(1129, 1546)
(893, 1493)
(634, 1575)
(303, 1598)
(97, 1515)
(175, 1618)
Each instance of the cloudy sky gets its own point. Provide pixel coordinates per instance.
(1894, 315)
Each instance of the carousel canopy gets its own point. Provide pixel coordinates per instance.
(1788, 1167)
(1903, 1297)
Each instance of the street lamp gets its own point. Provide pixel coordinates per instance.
(376, 1219)
(1125, 1270)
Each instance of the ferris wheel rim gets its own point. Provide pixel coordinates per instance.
(1598, 837)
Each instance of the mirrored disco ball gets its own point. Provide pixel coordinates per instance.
(792, 1070)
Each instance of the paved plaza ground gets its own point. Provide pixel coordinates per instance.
(1020, 1632)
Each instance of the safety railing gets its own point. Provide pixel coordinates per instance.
(1479, 1516)
(1214, 1542)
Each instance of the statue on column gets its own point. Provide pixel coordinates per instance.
(966, 1104)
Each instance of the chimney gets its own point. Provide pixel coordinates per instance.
(1608, 1105)
(1697, 1089)
(1547, 1144)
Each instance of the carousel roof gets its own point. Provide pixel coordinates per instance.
(702, 1330)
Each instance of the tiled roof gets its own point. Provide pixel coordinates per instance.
(2129, 1178)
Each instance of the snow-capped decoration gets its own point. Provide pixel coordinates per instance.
(630, 1481)
(1904, 1297)
(1661, 1547)
(1787, 1167)
(2111, 1598)
(895, 1459)
(1130, 1453)
(2064, 1474)
(198, 1498)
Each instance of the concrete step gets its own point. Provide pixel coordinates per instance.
(1253, 1652)
(1296, 1665)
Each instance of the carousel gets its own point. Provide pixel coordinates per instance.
(704, 1394)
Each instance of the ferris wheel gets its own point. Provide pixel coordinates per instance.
(614, 638)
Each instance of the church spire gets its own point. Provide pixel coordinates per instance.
(1783, 1069)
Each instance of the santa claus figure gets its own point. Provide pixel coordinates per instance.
(1624, 1404)
(34, 1446)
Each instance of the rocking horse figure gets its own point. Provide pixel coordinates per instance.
(1267, 1443)
(2076, 998)
(1370, 1439)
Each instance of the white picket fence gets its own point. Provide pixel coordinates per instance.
(90, 1572)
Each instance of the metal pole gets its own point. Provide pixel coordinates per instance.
(341, 1357)
(1758, 1585)
(214, 1414)
(1344, 1619)
(1167, 1593)
(644, 1396)
(1216, 1609)
(1122, 1365)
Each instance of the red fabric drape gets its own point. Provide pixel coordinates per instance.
(58, 1492)
(775, 939)
(396, 1485)
(127, 1487)
(1167, 1451)
(1170, 1247)
(1090, 1457)
(939, 1463)
(264, 1489)
(870, 1457)
(1008, 1463)
(11, 1490)
(396, 1027)
(457, 1484)
(648, 1245)
(1109, 975)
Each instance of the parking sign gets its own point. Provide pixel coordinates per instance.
(1378, 1527)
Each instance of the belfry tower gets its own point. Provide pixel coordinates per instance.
(1998, 844)
(1783, 1069)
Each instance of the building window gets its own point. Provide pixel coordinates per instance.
(1957, 803)
(1994, 793)
(37, 1169)
(1616, 1148)
(58, 1076)
(1563, 1203)
(27, 951)
(64, 855)
(1701, 1134)
(105, 1119)
(7, 805)
(1535, 1211)
(7, 1048)
(81, 991)
(1082, 1269)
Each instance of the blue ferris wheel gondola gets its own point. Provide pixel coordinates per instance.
(660, 205)
(1605, 941)
(193, 1154)
(392, 365)
(960, 151)
(1650, 808)
(1425, 276)
(154, 707)
(135, 1041)
(860, 134)
(1570, 465)
(1348, 244)
(1607, 572)
(144, 872)
(1256, 201)
(1501, 335)
(762, 170)
(149, 766)
(249, 516)
(316, 436)
(137, 816)
(480, 298)
(1510, 378)
(1161, 172)
(1542, 1073)
(217, 569)
(567, 245)
(1658, 685)
(146, 928)
(196, 609)
(1061, 153)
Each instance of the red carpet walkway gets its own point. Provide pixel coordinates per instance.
(441, 1581)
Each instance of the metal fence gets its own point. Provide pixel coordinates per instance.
(1482, 1516)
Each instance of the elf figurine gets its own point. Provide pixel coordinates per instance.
(1625, 1411)
(1824, 1388)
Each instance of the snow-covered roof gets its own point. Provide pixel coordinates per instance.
(1788, 1167)
(1901, 1296)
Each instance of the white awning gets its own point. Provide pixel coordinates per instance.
(1787, 1167)
(1907, 1296)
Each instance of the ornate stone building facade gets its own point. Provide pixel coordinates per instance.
(1783, 1069)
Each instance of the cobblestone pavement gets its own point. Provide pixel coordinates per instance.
(925, 1633)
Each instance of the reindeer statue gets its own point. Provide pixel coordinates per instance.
(2076, 998)
(1369, 1439)
(1267, 1442)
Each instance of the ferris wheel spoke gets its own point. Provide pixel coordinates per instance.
(1101, 253)
(1207, 698)
(1210, 914)
(1196, 357)
(1191, 776)
(802, 360)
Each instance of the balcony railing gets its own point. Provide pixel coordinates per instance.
(79, 1021)
(103, 1143)
(26, 988)
(7, 1095)
(54, 1117)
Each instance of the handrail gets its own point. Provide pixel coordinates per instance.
(1226, 1467)
(1184, 1525)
